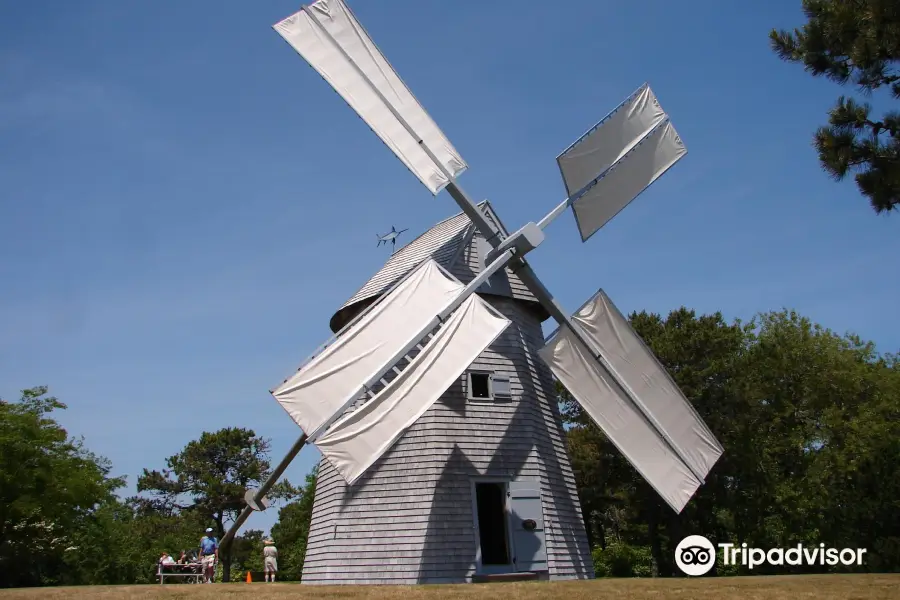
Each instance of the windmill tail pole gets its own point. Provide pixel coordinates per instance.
(497, 264)
(260, 494)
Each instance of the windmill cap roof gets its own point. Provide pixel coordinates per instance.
(439, 242)
(443, 242)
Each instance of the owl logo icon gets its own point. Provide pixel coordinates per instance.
(695, 555)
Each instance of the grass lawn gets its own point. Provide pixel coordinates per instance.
(819, 587)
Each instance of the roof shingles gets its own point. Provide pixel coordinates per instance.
(444, 242)
(440, 242)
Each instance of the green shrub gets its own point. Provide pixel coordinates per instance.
(621, 560)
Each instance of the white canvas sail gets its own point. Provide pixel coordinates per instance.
(622, 422)
(360, 438)
(324, 385)
(328, 36)
(609, 331)
(627, 178)
(610, 139)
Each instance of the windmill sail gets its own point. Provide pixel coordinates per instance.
(323, 386)
(609, 331)
(626, 179)
(622, 422)
(610, 139)
(328, 36)
(360, 438)
(616, 160)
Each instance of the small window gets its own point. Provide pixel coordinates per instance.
(479, 386)
(487, 386)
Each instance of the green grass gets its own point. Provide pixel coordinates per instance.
(798, 587)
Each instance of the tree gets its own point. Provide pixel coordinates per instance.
(209, 478)
(841, 401)
(810, 423)
(247, 551)
(122, 542)
(291, 531)
(854, 41)
(50, 484)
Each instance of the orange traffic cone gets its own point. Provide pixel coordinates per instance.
(249, 579)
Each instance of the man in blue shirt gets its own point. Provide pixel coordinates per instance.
(209, 554)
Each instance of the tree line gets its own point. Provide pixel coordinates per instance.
(809, 419)
(810, 423)
(62, 522)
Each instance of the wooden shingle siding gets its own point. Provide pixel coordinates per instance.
(469, 264)
(409, 519)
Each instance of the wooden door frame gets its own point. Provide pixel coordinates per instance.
(480, 569)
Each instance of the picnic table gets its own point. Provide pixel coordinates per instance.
(192, 572)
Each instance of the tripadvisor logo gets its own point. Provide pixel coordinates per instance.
(695, 555)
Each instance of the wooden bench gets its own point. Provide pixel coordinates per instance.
(186, 571)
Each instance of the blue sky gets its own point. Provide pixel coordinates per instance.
(184, 202)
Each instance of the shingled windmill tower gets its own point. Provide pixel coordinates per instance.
(445, 503)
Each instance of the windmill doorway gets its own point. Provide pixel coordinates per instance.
(509, 527)
(493, 537)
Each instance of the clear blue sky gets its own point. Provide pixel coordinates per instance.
(184, 202)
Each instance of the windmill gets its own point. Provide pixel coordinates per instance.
(391, 237)
(443, 453)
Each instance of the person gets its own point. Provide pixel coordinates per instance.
(270, 559)
(184, 563)
(164, 561)
(209, 555)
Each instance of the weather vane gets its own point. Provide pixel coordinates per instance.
(391, 237)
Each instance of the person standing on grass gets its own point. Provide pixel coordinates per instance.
(209, 554)
(270, 558)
